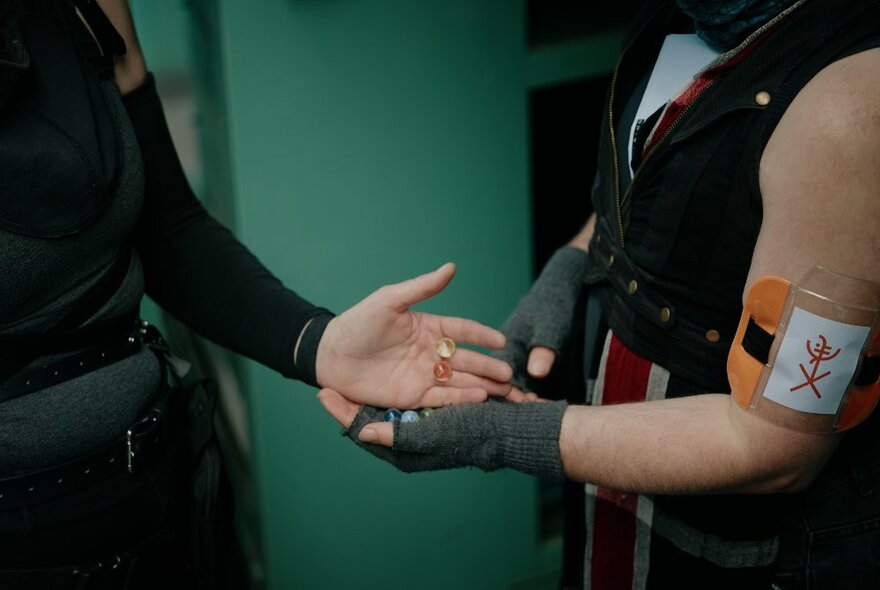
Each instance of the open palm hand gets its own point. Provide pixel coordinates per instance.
(381, 353)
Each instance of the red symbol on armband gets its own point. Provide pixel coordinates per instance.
(819, 353)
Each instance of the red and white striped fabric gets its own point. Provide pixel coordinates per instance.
(619, 524)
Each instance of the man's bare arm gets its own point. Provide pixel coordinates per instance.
(583, 237)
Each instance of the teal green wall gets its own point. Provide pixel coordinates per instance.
(162, 27)
(372, 141)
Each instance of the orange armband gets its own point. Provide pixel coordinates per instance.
(807, 356)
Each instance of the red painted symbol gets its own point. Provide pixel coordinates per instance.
(819, 353)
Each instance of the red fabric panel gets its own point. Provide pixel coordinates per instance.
(614, 523)
(626, 375)
(613, 556)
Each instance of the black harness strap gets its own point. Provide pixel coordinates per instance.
(107, 35)
(757, 341)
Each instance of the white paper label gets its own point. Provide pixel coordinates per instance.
(815, 364)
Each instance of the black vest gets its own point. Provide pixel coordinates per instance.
(670, 256)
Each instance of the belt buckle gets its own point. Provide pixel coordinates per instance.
(150, 335)
(137, 430)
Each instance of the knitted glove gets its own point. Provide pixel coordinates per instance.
(543, 316)
(488, 435)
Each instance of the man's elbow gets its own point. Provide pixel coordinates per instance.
(793, 481)
(779, 460)
(794, 475)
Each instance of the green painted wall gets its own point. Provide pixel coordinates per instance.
(372, 141)
(162, 27)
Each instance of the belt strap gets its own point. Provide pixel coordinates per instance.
(17, 351)
(89, 360)
(144, 442)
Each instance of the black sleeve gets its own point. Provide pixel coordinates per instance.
(200, 273)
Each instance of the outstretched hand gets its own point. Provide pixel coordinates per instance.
(381, 353)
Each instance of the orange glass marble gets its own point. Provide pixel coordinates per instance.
(442, 371)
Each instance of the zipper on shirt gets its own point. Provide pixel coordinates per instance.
(720, 61)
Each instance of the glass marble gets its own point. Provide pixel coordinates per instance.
(409, 416)
(446, 347)
(426, 412)
(442, 371)
(392, 415)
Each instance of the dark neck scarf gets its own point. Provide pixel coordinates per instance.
(724, 24)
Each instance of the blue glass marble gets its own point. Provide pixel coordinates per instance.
(426, 412)
(392, 415)
(409, 416)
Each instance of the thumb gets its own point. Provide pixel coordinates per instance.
(342, 410)
(378, 433)
(408, 293)
(541, 360)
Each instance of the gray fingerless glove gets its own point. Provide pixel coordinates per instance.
(488, 435)
(543, 316)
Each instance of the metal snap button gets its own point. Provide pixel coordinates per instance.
(762, 98)
(633, 287)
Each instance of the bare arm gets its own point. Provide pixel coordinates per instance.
(820, 174)
(129, 70)
(583, 237)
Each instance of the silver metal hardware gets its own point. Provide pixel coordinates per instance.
(130, 450)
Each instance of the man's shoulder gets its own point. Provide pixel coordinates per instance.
(842, 102)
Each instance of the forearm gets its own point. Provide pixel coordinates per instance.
(203, 276)
(693, 445)
(583, 237)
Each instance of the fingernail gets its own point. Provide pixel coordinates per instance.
(368, 435)
(537, 367)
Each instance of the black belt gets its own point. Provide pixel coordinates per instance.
(69, 333)
(126, 338)
(144, 443)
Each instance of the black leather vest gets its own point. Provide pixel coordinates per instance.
(670, 255)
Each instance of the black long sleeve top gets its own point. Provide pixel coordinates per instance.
(196, 269)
